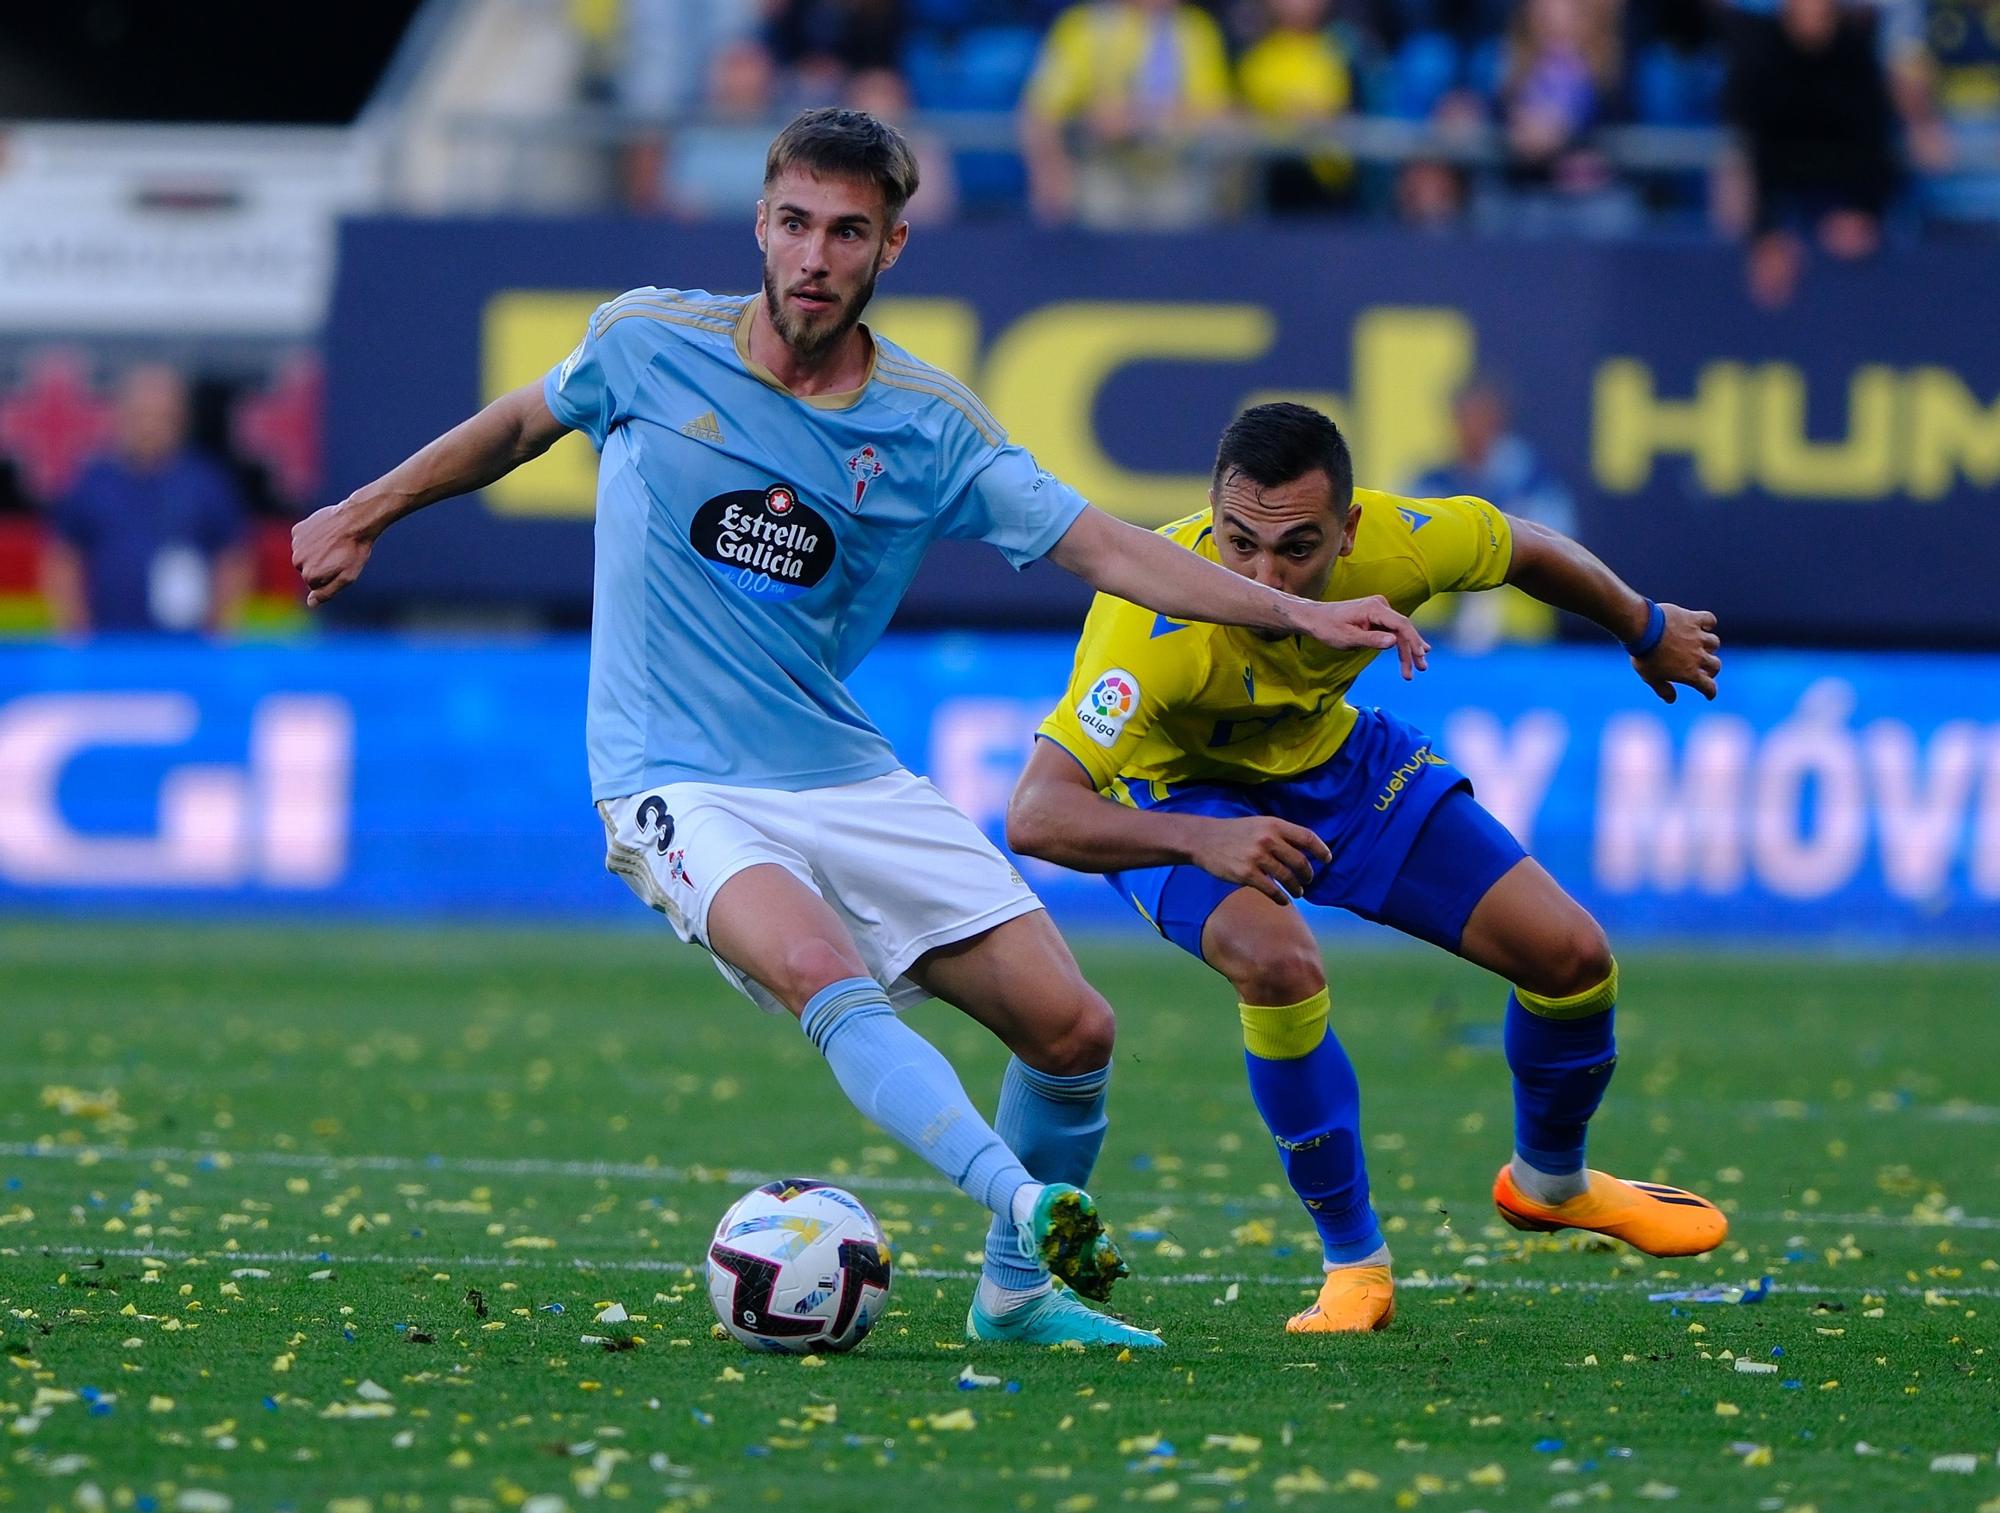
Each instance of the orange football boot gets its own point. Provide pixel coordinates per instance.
(1661, 1221)
(1352, 1300)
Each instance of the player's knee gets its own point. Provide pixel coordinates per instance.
(1080, 1039)
(810, 964)
(1283, 973)
(1580, 961)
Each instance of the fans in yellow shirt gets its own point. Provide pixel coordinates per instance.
(1125, 78)
(1297, 73)
(1216, 775)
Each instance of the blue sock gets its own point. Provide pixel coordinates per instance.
(1311, 1103)
(1561, 1068)
(1056, 1125)
(898, 1079)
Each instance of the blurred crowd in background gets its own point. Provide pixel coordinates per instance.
(1843, 115)
(133, 497)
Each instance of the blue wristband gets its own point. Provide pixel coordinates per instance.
(1656, 628)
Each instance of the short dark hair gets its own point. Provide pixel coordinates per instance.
(848, 144)
(1276, 443)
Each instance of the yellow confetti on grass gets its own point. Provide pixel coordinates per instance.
(529, 1242)
(81, 1103)
(1235, 1444)
(956, 1421)
(1726, 1410)
(158, 1404)
(1491, 1475)
(1305, 1480)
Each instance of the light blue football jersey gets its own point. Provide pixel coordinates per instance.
(751, 544)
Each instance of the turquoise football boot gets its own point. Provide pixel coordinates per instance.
(1058, 1318)
(1067, 1234)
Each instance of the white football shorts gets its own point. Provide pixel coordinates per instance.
(904, 870)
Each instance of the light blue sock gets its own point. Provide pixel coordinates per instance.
(1056, 1125)
(898, 1079)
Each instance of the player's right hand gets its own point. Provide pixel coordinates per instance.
(1274, 856)
(329, 549)
(1369, 622)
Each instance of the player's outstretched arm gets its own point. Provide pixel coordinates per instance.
(1129, 563)
(1668, 644)
(1058, 816)
(331, 545)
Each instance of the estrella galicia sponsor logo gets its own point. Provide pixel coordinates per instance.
(1104, 710)
(768, 543)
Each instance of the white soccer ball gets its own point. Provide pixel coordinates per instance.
(799, 1267)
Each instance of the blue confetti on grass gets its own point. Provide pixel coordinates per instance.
(1547, 1446)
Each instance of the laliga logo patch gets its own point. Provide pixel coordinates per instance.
(1108, 705)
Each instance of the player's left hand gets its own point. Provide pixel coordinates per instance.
(1687, 654)
(1371, 622)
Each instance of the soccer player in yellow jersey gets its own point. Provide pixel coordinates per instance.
(1217, 775)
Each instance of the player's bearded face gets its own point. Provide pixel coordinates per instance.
(826, 241)
(808, 332)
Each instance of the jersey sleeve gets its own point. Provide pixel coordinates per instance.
(1466, 545)
(1005, 498)
(591, 389)
(1124, 679)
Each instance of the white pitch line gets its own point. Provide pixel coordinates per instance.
(638, 1171)
(654, 1265)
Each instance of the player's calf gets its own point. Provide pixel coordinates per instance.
(1562, 1052)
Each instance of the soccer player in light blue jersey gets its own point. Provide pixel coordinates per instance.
(771, 474)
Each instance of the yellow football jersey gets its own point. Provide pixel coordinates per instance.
(1165, 701)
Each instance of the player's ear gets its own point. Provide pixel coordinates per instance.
(892, 246)
(763, 222)
(1348, 530)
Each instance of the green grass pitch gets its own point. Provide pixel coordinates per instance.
(286, 1216)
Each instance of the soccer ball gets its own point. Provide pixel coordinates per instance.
(798, 1267)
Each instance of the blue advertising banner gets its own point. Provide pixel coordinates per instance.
(1834, 800)
(1757, 463)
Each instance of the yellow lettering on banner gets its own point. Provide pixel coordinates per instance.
(1045, 372)
(1951, 433)
(524, 333)
(943, 332)
(1861, 467)
(1407, 365)
(1631, 426)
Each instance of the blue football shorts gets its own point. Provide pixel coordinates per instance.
(1412, 848)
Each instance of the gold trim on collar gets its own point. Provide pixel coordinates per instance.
(846, 399)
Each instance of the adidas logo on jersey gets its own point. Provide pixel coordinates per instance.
(703, 428)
